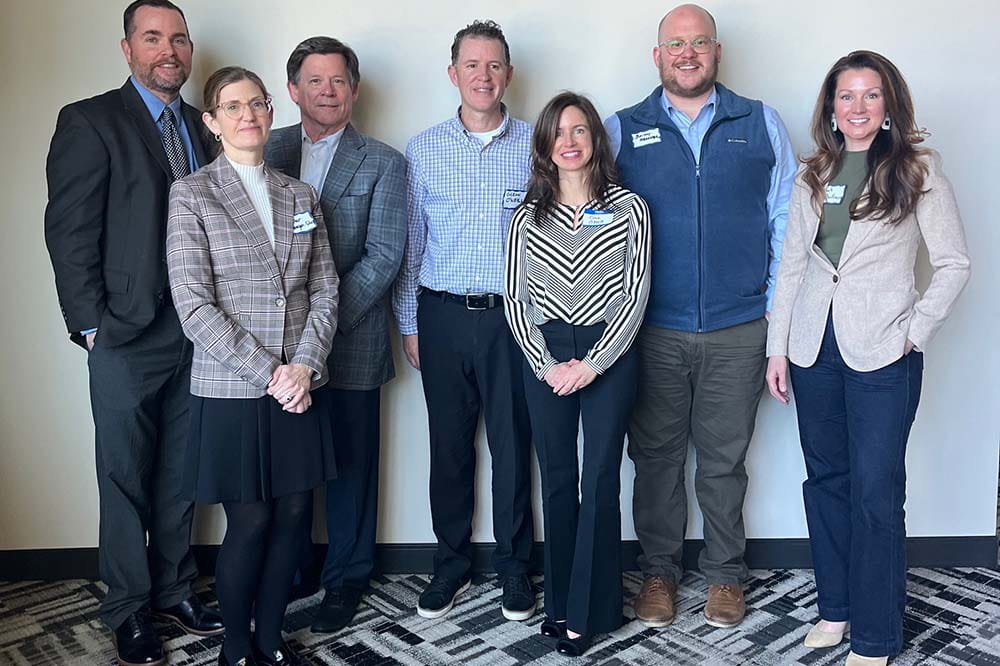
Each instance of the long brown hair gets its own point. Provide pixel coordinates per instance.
(895, 171)
(601, 172)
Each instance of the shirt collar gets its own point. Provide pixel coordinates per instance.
(155, 105)
(670, 109)
(327, 140)
(459, 126)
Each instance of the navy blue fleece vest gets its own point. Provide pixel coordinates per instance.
(710, 223)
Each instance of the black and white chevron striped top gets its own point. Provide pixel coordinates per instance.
(598, 272)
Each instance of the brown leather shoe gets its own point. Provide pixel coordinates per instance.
(726, 607)
(654, 605)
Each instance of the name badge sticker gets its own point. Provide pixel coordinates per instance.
(304, 223)
(645, 138)
(835, 194)
(513, 198)
(597, 218)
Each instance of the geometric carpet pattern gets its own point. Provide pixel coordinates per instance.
(952, 618)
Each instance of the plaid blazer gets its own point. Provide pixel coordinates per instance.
(364, 204)
(245, 306)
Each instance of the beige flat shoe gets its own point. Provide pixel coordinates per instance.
(858, 660)
(818, 638)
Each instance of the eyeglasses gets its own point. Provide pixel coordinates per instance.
(259, 106)
(700, 44)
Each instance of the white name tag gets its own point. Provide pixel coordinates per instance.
(597, 218)
(304, 223)
(513, 198)
(835, 194)
(640, 139)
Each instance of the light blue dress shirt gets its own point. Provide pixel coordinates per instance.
(461, 198)
(782, 173)
(317, 158)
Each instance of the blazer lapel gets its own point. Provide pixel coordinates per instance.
(237, 203)
(856, 235)
(292, 151)
(350, 153)
(282, 204)
(145, 126)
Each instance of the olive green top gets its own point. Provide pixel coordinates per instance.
(844, 188)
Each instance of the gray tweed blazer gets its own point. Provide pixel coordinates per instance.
(244, 305)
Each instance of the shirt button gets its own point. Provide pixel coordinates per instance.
(836, 278)
(280, 302)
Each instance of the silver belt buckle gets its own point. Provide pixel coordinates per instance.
(488, 298)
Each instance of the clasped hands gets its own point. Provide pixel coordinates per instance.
(290, 386)
(570, 376)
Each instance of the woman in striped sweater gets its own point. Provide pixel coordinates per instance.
(576, 286)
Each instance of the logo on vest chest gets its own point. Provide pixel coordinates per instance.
(734, 139)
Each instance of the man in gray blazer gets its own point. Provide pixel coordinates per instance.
(361, 184)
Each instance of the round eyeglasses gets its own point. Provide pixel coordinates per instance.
(700, 44)
(259, 106)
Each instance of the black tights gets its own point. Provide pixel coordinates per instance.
(256, 565)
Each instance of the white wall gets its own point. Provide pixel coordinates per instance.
(58, 51)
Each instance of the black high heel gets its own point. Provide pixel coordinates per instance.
(574, 647)
(553, 628)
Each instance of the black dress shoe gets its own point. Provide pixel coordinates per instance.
(137, 643)
(574, 647)
(553, 628)
(283, 656)
(193, 617)
(337, 610)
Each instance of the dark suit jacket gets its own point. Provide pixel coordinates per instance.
(364, 206)
(105, 223)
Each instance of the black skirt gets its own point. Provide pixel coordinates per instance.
(249, 450)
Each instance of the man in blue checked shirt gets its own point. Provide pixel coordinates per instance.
(716, 170)
(465, 177)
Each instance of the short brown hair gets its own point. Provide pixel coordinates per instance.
(322, 46)
(129, 17)
(484, 30)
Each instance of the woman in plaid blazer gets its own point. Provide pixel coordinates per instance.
(254, 285)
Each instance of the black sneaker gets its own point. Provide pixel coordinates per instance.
(518, 598)
(337, 610)
(439, 596)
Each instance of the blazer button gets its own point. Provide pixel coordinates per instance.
(280, 302)
(836, 278)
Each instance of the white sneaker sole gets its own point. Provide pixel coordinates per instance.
(519, 616)
(434, 613)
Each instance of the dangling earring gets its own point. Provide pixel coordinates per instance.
(218, 138)
(887, 124)
(833, 122)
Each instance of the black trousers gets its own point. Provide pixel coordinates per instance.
(469, 365)
(139, 394)
(583, 569)
(352, 498)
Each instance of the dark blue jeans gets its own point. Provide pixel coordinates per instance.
(854, 426)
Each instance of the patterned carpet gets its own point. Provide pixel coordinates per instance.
(953, 618)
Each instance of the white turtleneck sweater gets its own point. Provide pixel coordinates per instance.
(256, 186)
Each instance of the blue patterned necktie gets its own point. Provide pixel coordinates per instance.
(171, 138)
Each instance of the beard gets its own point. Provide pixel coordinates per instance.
(668, 78)
(154, 81)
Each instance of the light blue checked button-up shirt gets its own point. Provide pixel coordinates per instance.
(461, 197)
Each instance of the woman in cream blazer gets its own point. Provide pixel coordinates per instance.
(254, 286)
(847, 316)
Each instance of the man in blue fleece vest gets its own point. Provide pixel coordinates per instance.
(716, 170)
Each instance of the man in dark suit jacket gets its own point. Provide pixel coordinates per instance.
(361, 183)
(109, 170)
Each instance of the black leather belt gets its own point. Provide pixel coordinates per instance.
(470, 301)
